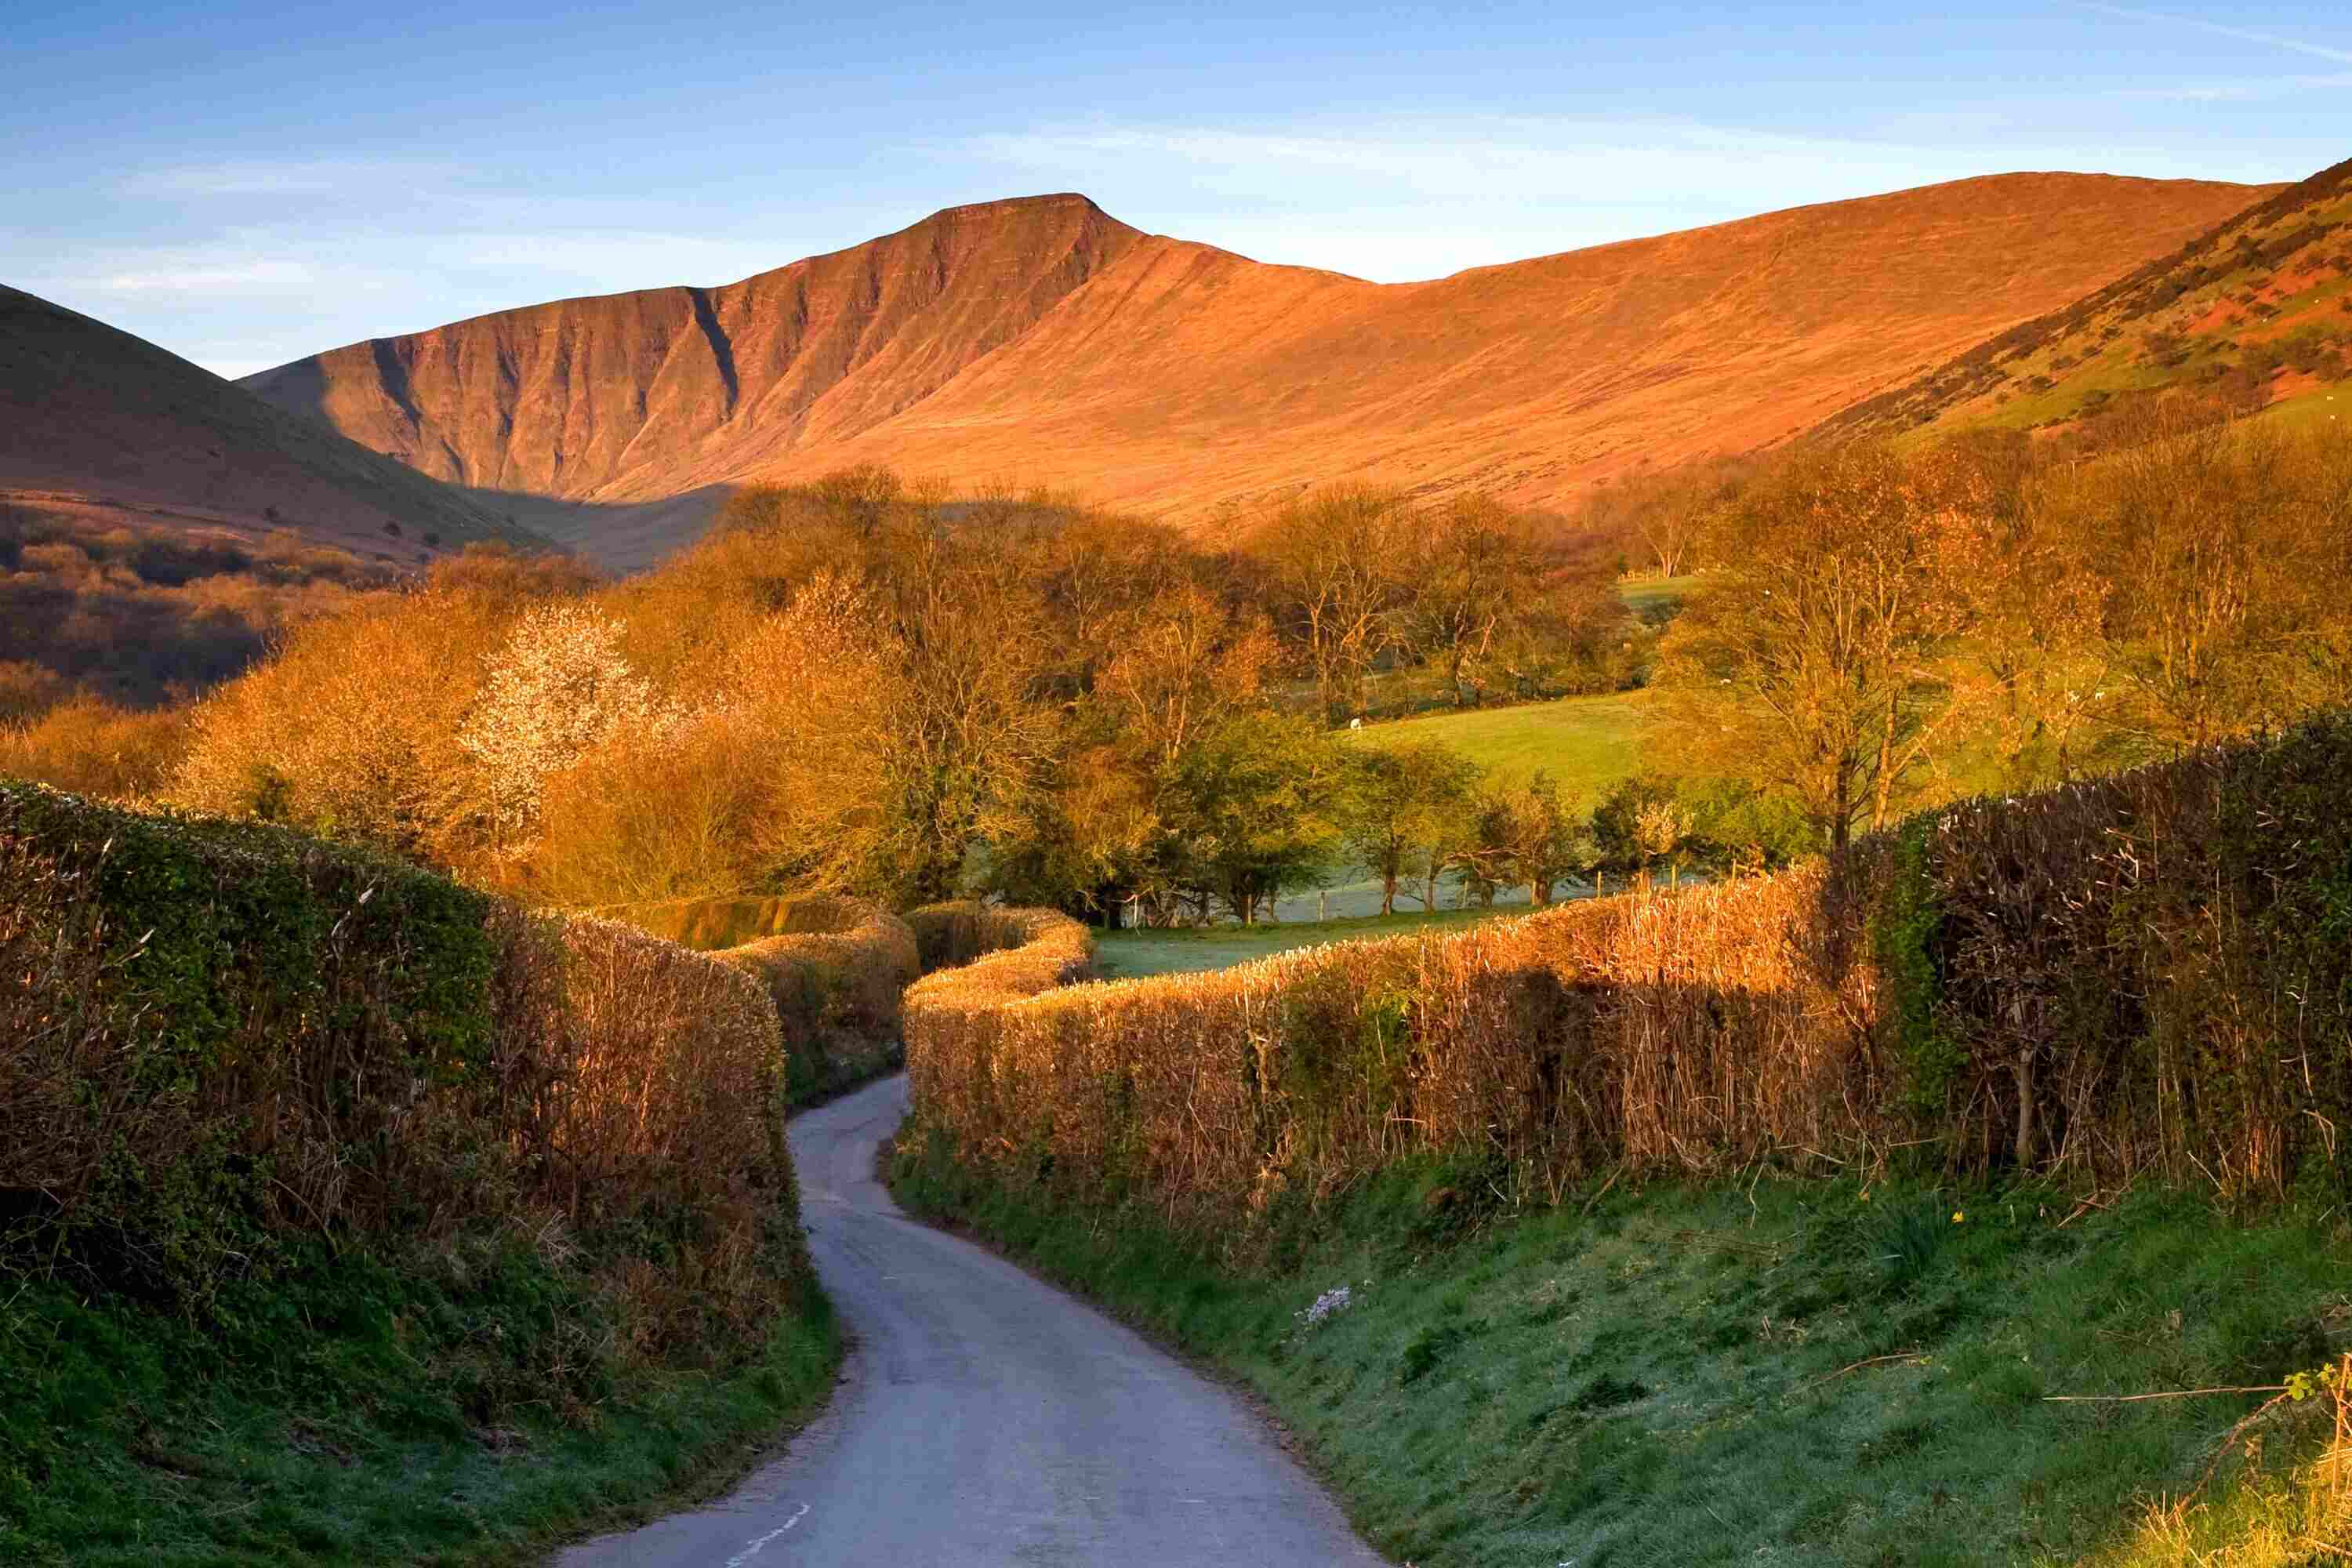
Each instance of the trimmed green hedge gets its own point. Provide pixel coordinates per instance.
(216, 1035)
(212, 1029)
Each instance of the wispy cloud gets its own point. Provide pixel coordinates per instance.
(1407, 197)
(1614, 163)
(2225, 30)
(299, 177)
(2246, 90)
(168, 274)
(604, 253)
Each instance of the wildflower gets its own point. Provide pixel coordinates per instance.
(1326, 1305)
(1959, 1218)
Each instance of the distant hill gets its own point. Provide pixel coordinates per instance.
(99, 425)
(1041, 339)
(2259, 305)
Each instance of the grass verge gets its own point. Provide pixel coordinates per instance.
(1794, 1373)
(467, 1408)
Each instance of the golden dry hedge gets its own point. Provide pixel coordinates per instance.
(836, 968)
(2147, 975)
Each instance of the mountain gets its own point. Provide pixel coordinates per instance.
(99, 425)
(2259, 304)
(1042, 340)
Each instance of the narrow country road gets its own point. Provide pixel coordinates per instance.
(986, 1418)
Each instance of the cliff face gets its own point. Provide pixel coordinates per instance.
(1042, 341)
(627, 397)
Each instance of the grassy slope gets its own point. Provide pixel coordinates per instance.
(1655, 598)
(354, 1415)
(1669, 1378)
(2278, 272)
(1128, 954)
(1588, 744)
(1672, 1377)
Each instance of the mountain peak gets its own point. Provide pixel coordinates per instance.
(1048, 202)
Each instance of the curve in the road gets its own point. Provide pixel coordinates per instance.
(986, 1418)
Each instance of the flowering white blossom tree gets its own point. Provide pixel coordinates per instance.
(559, 685)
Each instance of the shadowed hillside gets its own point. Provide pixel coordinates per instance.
(102, 427)
(2258, 307)
(1042, 338)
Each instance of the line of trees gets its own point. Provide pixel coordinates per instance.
(866, 686)
(1884, 625)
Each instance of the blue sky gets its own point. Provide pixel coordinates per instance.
(245, 182)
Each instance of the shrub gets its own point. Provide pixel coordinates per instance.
(853, 975)
(92, 747)
(987, 959)
(837, 987)
(133, 612)
(835, 969)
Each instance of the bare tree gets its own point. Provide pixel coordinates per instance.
(1335, 560)
(1818, 661)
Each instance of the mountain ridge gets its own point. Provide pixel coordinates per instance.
(1042, 340)
(780, 348)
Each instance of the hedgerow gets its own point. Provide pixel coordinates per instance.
(2148, 974)
(221, 1043)
(320, 1172)
(836, 968)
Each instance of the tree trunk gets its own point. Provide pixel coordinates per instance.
(1388, 891)
(1885, 778)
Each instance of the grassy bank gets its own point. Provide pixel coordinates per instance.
(1791, 1372)
(464, 1407)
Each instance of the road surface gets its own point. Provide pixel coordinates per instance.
(985, 1418)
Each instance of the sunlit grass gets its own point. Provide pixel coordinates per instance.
(1588, 744)
(339, 1421)
(1126, 954)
